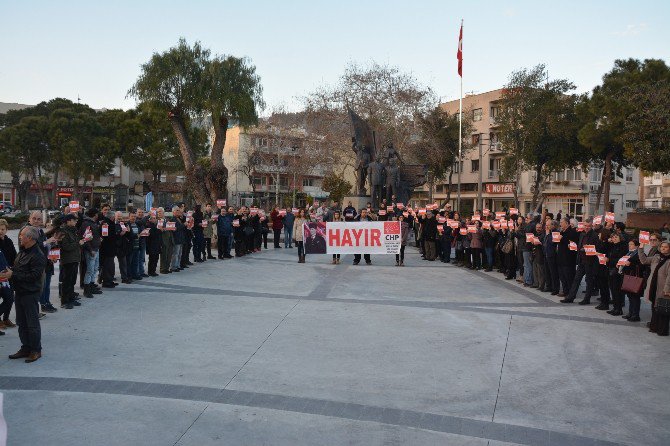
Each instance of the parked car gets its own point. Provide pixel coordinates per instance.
(6, 206)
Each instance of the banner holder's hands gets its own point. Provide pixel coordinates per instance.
(6, 274)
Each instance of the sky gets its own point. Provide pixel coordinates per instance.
(94, 49)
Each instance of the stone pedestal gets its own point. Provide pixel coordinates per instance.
(357, 202)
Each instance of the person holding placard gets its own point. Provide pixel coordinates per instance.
(108, 249)
(537, 252)
(154, 244)
(133, 257)
(552, 238)
(337, 216)
(177, 227)
(363, 216)
(123, 246)
(198, 235)
(566, 259)
(224, 233)
(587, 265)
(208, 231)
(630, 265)
(615, 249)
(476, 245)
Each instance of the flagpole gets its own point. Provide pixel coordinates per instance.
(460, 137)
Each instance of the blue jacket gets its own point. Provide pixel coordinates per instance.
(288, 221)
(224, 225)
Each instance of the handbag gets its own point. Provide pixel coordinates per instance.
(663, 306)
(508, 246)
(632, 284)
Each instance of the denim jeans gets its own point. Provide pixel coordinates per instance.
(133, 262)
(176, 257)
(288, 237)
(46, 291)
(489, 256)
(528, 267)
(92, 261)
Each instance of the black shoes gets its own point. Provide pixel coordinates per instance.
(566, 301)
(603, 307)
(48, 308)
(585, 302)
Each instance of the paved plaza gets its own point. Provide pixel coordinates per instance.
(265, 351)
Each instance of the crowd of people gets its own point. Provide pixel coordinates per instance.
(553, 254)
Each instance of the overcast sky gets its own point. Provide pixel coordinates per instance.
(93, 49)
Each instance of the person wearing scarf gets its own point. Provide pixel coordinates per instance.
(632, 266)
(658, 285)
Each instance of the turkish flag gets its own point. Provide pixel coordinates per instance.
(459, 53)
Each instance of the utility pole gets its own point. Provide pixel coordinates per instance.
(480, 204)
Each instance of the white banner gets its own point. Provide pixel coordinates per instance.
(365, 237)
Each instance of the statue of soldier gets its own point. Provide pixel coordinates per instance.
(389, 153)
(392, 178)
(376, 172)
(362, 162)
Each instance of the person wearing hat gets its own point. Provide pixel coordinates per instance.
(70, 256)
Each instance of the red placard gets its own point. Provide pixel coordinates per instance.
(105, 229)
(572, 246)
(644, 237)
(74, 206)
(556, 237)
(54, 254)
(590, 250)
(221, 203)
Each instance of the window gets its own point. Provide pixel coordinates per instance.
(495, 111)
(629, 175)
(163, 178)
(477, 114)
(308, 182)
(570, 175)
(283, 181)
(578, 174)
(474, 166)
(475, 139)
(261, 142)
(180, 179)
(595, 174)
(456, 166)
(258, 181)
(631, 204)
(560, 175)
(657, 176)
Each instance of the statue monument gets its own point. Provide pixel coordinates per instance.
(387, 176)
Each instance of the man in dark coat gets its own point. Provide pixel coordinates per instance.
(566, 260)
(26, 278)
(108, 250)
(587, 266)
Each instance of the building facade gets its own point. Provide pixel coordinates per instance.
(267, 165)
(573, 191)
(655, 191)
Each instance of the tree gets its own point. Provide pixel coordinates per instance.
(646, 136)
(388, 98)
(186, 84)
(234, 94)
(604, 114)
(438, 144)
(537, 126)
(336, 186)
(148, 144)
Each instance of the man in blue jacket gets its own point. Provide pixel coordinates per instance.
(289, 218)
(224, 232)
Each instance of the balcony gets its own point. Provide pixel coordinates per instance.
(493, 174)
(495, 147)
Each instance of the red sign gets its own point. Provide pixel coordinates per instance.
(499, 188)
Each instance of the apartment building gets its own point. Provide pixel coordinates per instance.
(655, 191)
(265, 162)
(573, 191)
